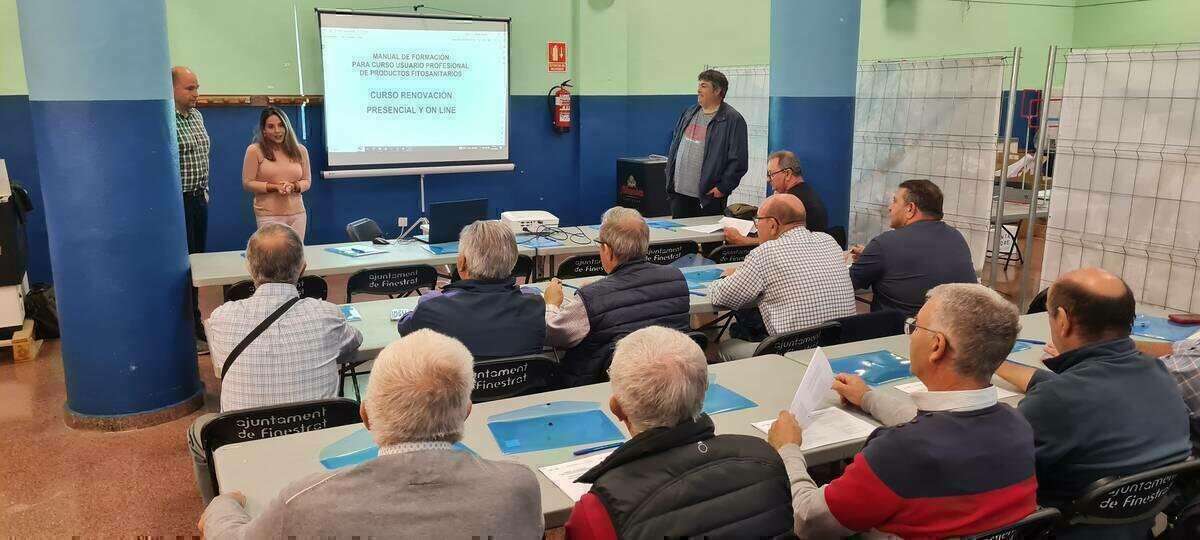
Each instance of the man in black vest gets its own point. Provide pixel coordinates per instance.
(674, 478)
(636, 294)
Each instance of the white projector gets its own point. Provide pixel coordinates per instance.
(528, 221)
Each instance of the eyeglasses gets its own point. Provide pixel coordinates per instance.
(772, 174)
(911, 326)
(761, 218)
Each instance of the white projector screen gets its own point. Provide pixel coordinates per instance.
(412, 90)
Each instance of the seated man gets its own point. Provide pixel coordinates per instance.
(1182, 359)
(922, 252)
(786, 176)
(1102, 408)
(294, 359)
(485, 309)
(636, 294)
(657, 485)
(796, 277)
(964, 465)
(419, 486)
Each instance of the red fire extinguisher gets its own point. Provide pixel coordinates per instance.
(560, 106)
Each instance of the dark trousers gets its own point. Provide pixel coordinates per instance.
(683, 206)
(195, 217)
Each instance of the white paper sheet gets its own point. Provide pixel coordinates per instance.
(829, 426)
(705, 229)
(564, 474)
(919, 386)
(817, 381)
(743, 226)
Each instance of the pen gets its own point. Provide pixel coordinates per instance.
(697, 293)
(1033, 341)
(585, 451)
(569, 286)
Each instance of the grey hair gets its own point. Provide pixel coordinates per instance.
(625, 232)
(659, 376)
(489, 248)
(275, 254)
(981, 326)
(787, 160)
(420, 389)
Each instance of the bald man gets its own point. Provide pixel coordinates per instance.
(193, 172)
(1102, 408)
(796, 277)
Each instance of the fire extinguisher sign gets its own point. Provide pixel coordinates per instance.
(556, 56)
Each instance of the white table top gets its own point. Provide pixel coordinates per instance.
(228, 267)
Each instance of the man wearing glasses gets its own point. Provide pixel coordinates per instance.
(961, 463)
(796, 277)
(786, 176)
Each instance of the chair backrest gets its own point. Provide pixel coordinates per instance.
(362, 230)
(502, 378)
(1130, 499)
(807, 338)
(266, 422)
(313, 287)
(700, 338)
(523, 268)
(391, 280)
(838, 233)
(239, 291)
(669, 252)
(1035, 526)
(872, 325)
(1038, 304)
(729, 254)
(580, 266)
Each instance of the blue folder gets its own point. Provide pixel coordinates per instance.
(719, 399)
(1161, 328)
(358, 447)
(876, 367)
(661, 224)
(552, 425)
(443, 249)
(1019, 346)
(539, 242)
(700, 279)
(352, 251)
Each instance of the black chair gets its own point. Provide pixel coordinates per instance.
(266, 422)
(872, 325)
(392, 280)
(579, 266)
(1130, 499)
(821, 335)
(1035, 526)
(308, 287)
(838, 233)
(729, 254)
(502, 378)
(699, 337)
(1038, 304)
(523, 269)
(363, 230)
(670, 252)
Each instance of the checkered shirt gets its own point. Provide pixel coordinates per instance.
(1184, 364)
(797, 280)
(295, 359)
(193, 150)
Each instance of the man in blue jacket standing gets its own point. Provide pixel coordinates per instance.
(709, 152)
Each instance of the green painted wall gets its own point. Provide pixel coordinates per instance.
(1142, 23)
(12, 68)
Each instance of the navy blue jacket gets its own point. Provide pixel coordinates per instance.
(726, 151)
(901, 265)
(494, 319)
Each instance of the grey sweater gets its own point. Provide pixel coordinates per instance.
(421, 494)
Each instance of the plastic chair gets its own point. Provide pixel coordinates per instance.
(872, 325)
(273, 421)
(308, 287)
(821, 335)
(502, 378)
(391, 280)
(1035, 526)
(729, 254)
(700, 338)
(363, 230)
(523, 269)
(580, 266)
(670, 252)
(838, 233)
(239, 291)
(1038, 304)
(1130, 499)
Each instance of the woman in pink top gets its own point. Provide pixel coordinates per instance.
(276, 171)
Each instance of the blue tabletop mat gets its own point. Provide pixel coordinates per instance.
(550, 426)
(351, 251)
(719, 399)
(1020, 346)
(1161, 328)
(539, 242)
(701, 278)
(443, 249)
(358, 447)
(876, 367)
(661, 224)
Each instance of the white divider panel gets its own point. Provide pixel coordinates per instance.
(750, 94)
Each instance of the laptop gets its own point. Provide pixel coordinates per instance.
(447, 219)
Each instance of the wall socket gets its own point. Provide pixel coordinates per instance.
(402, 221)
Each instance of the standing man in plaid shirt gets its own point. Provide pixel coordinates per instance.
(193, 171)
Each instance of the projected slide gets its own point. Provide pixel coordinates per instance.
(408, 90)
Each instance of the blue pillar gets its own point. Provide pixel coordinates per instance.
(104, 132)
(814, 59)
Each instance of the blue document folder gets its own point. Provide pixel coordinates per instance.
(1019, 346)
(354, 251)
(699, 279)
(358, 447)
(719, 399)
(538, 242)
(443, 249)
(661, 224)
(552, 425)
(876, 367)
(1161, 328)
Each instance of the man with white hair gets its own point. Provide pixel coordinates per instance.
(293, 359)
(675, 478)
(419, 486)
(955, 461)
(485, 309)
(636, 294)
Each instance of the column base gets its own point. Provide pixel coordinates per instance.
(128, 422)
